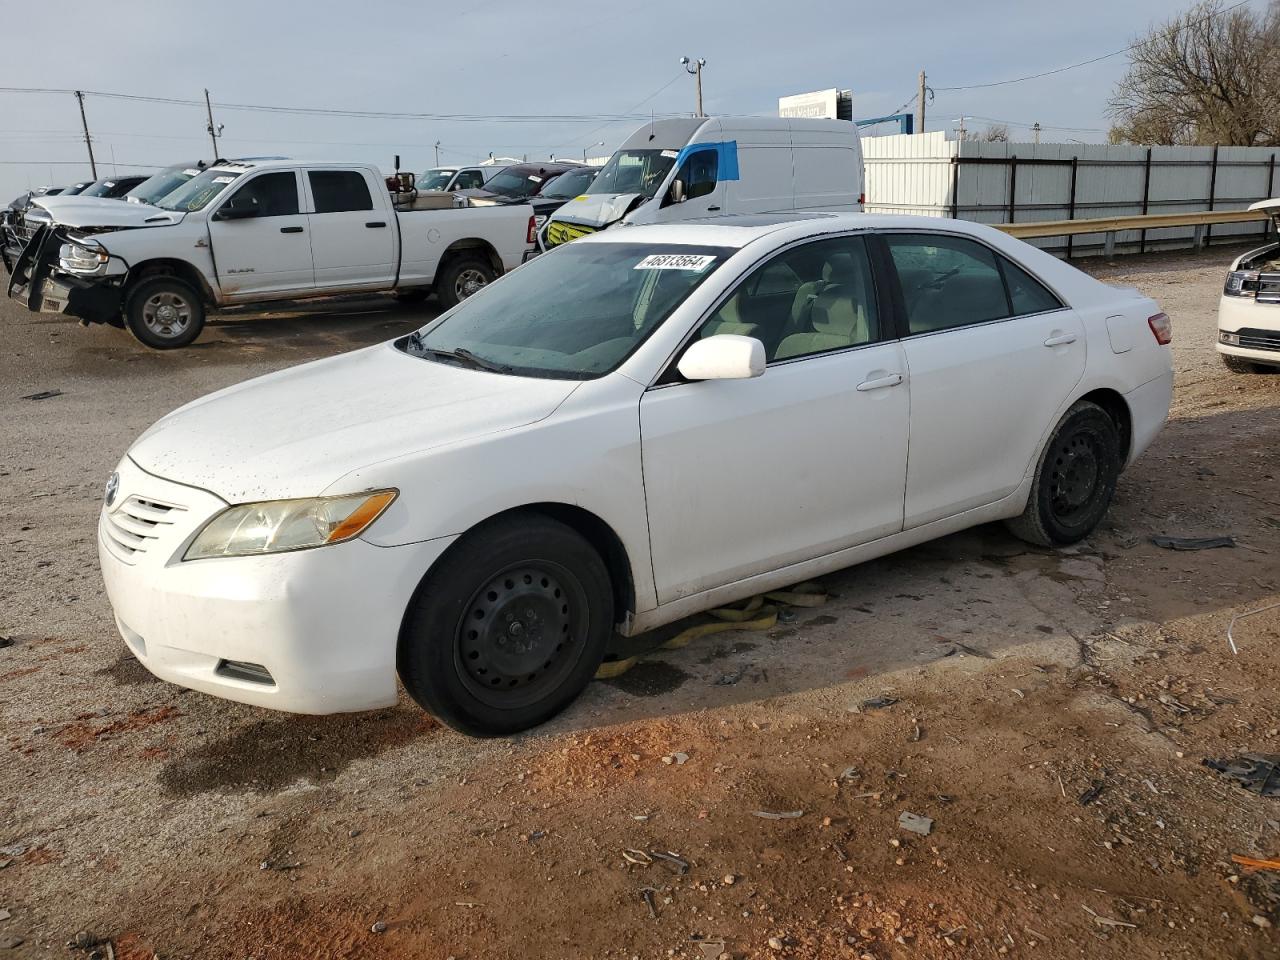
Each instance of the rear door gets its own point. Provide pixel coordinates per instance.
(992, 356)
(353, 239)
(269, 252)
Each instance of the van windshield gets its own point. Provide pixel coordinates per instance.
(634, 171)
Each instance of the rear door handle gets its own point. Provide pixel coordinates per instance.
(712, 209)
(880, 383)
(290, 229)
(374, 224)
(1061, 340)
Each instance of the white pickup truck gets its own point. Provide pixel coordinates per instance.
(254, 231)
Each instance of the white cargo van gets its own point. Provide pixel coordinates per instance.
(671, 170)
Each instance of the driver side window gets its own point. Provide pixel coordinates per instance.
(699, 172)
(273, 194)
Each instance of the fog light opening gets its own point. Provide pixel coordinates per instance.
(243, 670)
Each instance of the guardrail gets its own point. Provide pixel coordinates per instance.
(1110, 226)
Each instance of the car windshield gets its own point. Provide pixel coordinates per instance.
(197, 192)
(634, 171)
(572, 314)
(517, 183)
(99, 188)
(569, 185)
(162, 184)
(435, 179)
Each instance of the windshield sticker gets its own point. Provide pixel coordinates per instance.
(670, 154)
(223, 179)
(191, 172)
(675, 261)
(535, 179)
(581, 198)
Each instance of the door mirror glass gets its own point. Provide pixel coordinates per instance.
(725, 356)
(676, 193)
(240, 207)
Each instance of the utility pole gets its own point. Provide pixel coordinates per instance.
(93, 167)
(437, 153)
(214, 132)
(694, 69)
(1035, 130)
(960, 132)
(920, 97)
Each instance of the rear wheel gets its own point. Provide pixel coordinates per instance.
(164, 313)
(1075, 479)
(463, 276)
(509, 627)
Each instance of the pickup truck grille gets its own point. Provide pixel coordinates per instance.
(137, 524)
(559, 232)
(1256, 339)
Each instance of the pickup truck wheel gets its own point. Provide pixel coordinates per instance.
(1243, 365)
(164, 313)
(1075, 479)
(461, 277)
(509, 628)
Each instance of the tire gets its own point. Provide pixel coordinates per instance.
(1075, 479)
(164, 313)
(1243, 365)
(461, 277)
(508, 628)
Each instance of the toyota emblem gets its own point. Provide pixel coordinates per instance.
(113, 486)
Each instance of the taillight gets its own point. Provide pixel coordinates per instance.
(1161, 327)
(862, 199)
(531, 235)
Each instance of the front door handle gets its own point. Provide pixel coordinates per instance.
(880, 383)
(1060, 340)
(712, 209)
(290, 229)
(375, 224)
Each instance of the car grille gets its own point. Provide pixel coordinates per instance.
(1256, 339)
(1269, 288)
(558, 232)
(136, 524)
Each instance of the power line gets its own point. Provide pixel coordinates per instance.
(1085, 63)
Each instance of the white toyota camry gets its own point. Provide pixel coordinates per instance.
(635, 427)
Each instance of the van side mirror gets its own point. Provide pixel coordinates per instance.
(724, 356)
(677, 192)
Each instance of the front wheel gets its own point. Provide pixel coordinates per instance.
(509, 627)
(461, 277)
(164, 313)
(1075, 479)
(1243, 365)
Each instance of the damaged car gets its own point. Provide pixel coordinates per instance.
(1249, 311)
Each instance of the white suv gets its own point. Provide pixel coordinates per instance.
(1249, 313)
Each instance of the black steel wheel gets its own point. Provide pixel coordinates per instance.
(1075, 480)
(461, 277)
(508, 628)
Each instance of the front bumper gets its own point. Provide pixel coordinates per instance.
(313, 631)
(1254, 326)
(34, 283)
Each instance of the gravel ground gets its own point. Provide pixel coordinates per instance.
(168, 823)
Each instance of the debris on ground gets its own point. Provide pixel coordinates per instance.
(915, 823)
(1107, 921)
(770, 815)
(1253, 863)
(672, 861)
(1193, 543)
(6, 642)
(5, 914)
(1231, 640)
(677, 758)
(874, 703)
(378, 927)
(647, 895)
(1094, 791)
(1257, 772)
(11, 943)
(43, 395)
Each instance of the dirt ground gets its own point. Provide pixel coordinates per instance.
(1052, 712)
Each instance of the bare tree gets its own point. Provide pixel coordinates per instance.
(1207, 76)
(996, 133)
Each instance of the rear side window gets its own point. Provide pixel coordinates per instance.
(947, 282)
(468, 180)
(1027, 294)
(337, 191)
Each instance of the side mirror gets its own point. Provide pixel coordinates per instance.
(677, 193)
(725, 356)
(239, 209)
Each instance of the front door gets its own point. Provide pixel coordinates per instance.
(353, 242)
(992, 355)
(260, 241)
(702, 175)
(747, 476)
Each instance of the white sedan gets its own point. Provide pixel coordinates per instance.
(638, 426)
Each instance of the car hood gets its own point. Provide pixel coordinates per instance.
(597, 209)
(295, 432)
(1270, 207)
(104, 212)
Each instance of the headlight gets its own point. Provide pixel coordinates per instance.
(77, 259)
(1241, 283)
(278, 526)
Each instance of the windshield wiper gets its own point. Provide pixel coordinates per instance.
(466, 356)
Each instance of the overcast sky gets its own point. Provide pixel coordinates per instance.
(501, 57)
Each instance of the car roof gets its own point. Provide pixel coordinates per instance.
(742, 229)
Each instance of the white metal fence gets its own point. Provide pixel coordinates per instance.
(1007, 182)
